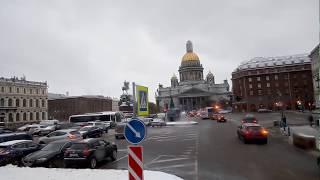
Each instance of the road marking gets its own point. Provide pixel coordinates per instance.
(119, 159)
(122, 150)
(168, 160)
(175, 166)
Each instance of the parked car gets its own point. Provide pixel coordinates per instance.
(5, 130)
(264, 110)
(14, 136)
(13, 151)
(64, 134)
(50, 155)
(24, 128)
(90, 152)
(248, 132)
(147, 121)
(158, 122)
(43, 130)
(35, 129)
(100, 125)
(119, 130)
(249, 119)
(91, 132)
(54, 122)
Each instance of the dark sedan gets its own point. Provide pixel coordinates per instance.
(91, 132)
(89, 152)
(49, 156)
(5, 130)
(13, 151)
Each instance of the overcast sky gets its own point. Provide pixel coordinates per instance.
(91, 47)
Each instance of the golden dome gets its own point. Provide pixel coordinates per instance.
(190, 56)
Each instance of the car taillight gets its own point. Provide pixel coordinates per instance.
(86, 152)
(254, 121)
(264, 132)
(247, 133)
(66, 152)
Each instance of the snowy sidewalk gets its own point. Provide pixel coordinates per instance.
(178, 123)
(15, 173)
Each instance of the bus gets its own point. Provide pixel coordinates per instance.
(108, 116)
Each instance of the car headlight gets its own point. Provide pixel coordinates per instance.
(42, 159)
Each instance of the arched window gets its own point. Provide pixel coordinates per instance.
(2, 102)
(17, 102)
(24, 116)
(24, 102)
(10, 102)
(37, 116)
(10, 117)
(37, 102)
(43, 103)
(30, 102)
(17, 117)
(31, 116)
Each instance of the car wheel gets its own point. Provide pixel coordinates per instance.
(93, 163)
(51, 165)
(114, 155)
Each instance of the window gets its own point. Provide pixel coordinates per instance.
(276, 84)
(2, 102)
(17, 102)
(2, 89)
(250, 79)
(259, 92)
(250, 86)
(268, 84)
(37, 91)
(24, 102)
(258, 79)
(43, 115)
(10, 117)
(251, 93)
(10, 89)
(24, 91)
(30, 102)
(24, 116)
(42, 91)
(267, 78)
(43, 103)
(269, 92)
(37, 102)
(259, 85)
(17, 117)
(276, 77)
(31, 116)
(37, 116)
(18, 90)
(30, 91)
(10, 102)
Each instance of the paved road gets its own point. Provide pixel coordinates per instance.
(211, 150)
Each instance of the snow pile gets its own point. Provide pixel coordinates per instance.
(181, 123)
(11, 172)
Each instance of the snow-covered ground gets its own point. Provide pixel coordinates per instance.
(176, 123)
(10, 172)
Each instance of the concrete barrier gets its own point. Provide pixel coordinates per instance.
(304, 141)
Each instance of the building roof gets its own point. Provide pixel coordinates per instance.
(60, 96)
(267, 62)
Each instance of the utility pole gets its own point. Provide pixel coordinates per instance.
(134, 99)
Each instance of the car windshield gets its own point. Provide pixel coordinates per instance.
(53, 147)
(85, 129)
(254, 128)
(79, 146)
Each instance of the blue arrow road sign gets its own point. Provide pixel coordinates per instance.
(135, 131)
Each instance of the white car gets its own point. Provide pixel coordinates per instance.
(158, 122)
(41, 129)
(101, 124)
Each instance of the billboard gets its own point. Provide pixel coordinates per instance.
(143, 101)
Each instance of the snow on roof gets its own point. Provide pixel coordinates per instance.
(263, 62)
(9, 143)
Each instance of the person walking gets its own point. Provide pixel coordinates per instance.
(310, 120)
(284, 122)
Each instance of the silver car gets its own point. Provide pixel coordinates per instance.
(70, 134)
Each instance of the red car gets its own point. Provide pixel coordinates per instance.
(249, 119)
(249, 132)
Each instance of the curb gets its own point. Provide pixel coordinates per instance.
(182, 123)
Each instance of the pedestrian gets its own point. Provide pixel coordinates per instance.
(284, 122)
(310, 120)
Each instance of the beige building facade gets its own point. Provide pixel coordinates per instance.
(22, 101)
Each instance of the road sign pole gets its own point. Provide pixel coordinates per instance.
(134, 99)
(135, 162)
